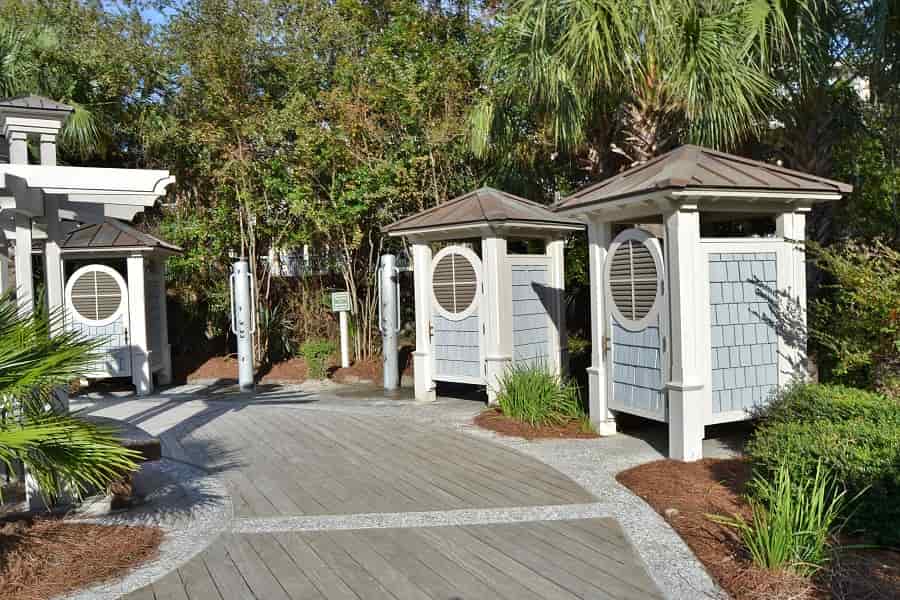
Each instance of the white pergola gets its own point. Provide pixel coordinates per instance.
(43, 202)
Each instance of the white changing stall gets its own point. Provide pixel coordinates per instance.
(489, 280)
(115, 290)
(698, 288)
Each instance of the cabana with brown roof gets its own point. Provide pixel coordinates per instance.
(491, 294)
(698, 288)
(115, 290)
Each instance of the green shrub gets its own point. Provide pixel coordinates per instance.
(535, 394)
(316, 352)
(792, 520)
(855, 435)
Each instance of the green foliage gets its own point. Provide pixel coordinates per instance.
(316, 353)
(858, 323)
(536, 395)
(792, 521)
(853, 434)
(65, 454)
(578, 345)
(670, 71)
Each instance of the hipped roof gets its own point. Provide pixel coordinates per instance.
(35, 102)
(693, 167)
(483, 206)
(113, 234)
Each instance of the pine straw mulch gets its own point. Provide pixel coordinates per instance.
(45, 557)
(685, 493)
(496, 421)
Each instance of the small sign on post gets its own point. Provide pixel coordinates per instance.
(340, 303)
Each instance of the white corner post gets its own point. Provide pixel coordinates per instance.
(603, 419)
(791, 226)
(423, 364)
(344, 325)
(137, 326)
(686, 383)
(53, 264)
(559, 335)
(24, 272)
(165, 373)
(496, 314)
(18, 155)
(5, 284)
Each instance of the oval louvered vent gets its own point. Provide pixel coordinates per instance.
(633, 280)
(95, 295)
(455, 283)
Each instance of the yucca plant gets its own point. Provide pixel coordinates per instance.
(792, 522)
(535, 394)
(63, 453)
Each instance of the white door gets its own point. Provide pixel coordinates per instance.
(97, 307)
(634, 277)
(456, 329)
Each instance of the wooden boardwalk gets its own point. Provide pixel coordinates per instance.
(520, 561)
(306, 462)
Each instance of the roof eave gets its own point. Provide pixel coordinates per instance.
(475, 225)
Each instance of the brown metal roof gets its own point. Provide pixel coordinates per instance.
(32, 101)
(113, 234)
(482, 206)
(695, 167)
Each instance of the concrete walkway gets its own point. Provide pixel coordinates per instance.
(351, 496)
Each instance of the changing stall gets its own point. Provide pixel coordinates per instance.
(698, 288)
(114, 277)
(489, 278)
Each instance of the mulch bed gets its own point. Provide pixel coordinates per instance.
(685, 493)
(216, 367)
(46, 557)
(496, 421)
(293, 370)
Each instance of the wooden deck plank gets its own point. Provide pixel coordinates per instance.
(255, 572)
(390, 578)
(326, 579)
(145, 593)
(198, 583)
(297, 585)
(510, 578)
(361, 582)
(509, 542)
(437, 574)
(229, 581)
(170, 587)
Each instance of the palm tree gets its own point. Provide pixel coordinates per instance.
(674, 70)
(62, 452)
(24, 69)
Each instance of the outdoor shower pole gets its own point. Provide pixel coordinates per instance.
(243, 322)
(389, 318)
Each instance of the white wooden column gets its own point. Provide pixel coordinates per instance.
(24, 272)
(53, 265)
(5, 283)
(496, 313)
(423, 364)
(686, 382)
(18, 147)
(559, 340)
(599, 238)
(792, 272)
(165, 374)
(137, 326)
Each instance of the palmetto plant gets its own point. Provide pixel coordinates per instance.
(677, 70)
(63, 453)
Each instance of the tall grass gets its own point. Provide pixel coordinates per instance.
(792, 522)
(535, 394)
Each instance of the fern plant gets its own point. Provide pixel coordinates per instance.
(63, 453)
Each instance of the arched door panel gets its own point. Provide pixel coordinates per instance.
(456, 330)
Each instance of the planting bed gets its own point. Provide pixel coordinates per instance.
(496, 421)
(686, 493)
(43, 558)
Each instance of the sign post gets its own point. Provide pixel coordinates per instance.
(340, 303)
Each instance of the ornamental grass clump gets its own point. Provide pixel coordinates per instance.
(534, 394)
(792, 523)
